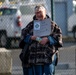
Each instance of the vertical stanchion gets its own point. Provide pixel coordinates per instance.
(75, 61)
(52, 9)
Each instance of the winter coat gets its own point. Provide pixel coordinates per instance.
(37, 53)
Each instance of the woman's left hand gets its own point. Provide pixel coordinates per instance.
(44, 40)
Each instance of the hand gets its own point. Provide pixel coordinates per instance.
(44, 40)
(33, 37)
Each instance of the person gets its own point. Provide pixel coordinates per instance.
(42, 52)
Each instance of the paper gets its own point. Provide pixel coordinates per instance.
(42, 28)
(37, 26)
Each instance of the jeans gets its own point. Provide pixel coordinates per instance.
(34, 70)
(47, 69)
(27, 71)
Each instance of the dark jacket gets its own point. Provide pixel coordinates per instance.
(39, 54)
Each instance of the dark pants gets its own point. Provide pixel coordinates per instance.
(27, 71)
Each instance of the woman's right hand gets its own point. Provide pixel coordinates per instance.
(33, 37)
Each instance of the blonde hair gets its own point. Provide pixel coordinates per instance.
(38, 7)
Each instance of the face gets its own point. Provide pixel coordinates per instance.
(40, 14)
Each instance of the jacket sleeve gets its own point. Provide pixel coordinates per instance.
(56, 35)
(22, 43)
(25, 35)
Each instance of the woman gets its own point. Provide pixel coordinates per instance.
(42, 51)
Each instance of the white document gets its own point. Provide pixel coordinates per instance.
(42, 28)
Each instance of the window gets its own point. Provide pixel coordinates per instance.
(7, 11)
(27, 10)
